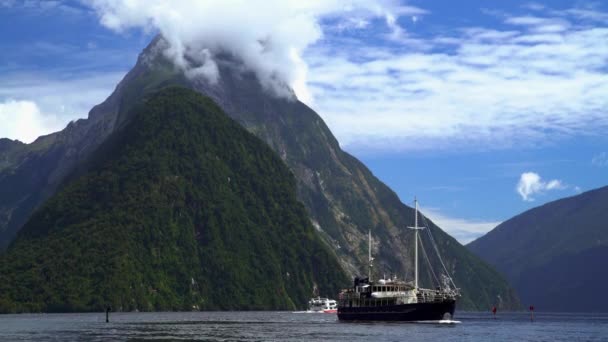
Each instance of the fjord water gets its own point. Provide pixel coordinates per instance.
(289, 326)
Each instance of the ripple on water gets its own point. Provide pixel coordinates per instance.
(290, 326)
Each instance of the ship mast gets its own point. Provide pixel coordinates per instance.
(369, 252)
(416, 229)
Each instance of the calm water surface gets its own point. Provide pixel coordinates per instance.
(289, 326)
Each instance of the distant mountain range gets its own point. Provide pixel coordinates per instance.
(554, 255)
(342, 197)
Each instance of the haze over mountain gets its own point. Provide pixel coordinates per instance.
(343, 199)
(554, 255)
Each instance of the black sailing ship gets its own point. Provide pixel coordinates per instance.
(398, 300)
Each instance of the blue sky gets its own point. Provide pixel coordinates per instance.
(482, 109)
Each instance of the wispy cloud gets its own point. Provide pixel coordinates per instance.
(34, 105)
(62, 84)
(446, 188)
(535, 6)
(539, 79)
(463, 230)
(270, 43)
(600, 159)
(530, 184)
(585, 13)
(44, 7)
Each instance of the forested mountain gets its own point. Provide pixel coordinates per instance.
(342, 197)
(180, 208)
(555, 254)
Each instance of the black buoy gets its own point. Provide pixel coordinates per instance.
(531, 313)
(108, 309)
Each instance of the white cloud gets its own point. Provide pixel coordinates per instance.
(463, 230)
(34, 105)
(530, 183)
(538, 80)
(23, 121)
(534, 6)
(268, 36)
(535, 22)
(600, 159)
(352, 23)
(584, 14)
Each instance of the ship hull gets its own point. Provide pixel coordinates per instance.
(435, 311)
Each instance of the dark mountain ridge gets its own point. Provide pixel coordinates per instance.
(32, 173)
(553, 254)
(343, 198)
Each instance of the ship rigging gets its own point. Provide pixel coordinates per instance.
(398, 300)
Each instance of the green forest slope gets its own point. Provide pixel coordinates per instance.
(554, 255)
(180, 209)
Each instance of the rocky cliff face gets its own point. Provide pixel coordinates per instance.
(344, 199)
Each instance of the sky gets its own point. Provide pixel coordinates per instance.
(480, 109)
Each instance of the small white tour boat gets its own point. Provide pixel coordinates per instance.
(322, 305)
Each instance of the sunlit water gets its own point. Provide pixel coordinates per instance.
(289, 326)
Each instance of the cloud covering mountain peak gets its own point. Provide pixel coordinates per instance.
(267, 36)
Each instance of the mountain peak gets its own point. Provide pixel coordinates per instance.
(207, 68)
(342, 197)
